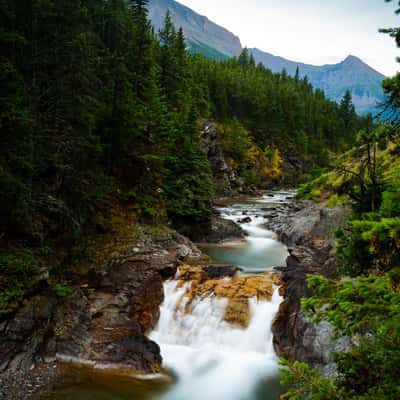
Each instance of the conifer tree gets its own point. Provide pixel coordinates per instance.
(244, 57)
(348, 114)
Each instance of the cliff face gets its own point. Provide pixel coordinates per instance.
(198, 30)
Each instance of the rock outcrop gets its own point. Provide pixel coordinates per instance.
(237, 290)
(220, 231)
(224, 177)
(106, 319)
(308, 230)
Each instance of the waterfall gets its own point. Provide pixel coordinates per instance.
(212, 359)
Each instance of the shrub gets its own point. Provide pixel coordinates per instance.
(20, 271)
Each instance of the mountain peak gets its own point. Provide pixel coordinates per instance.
(352, 60)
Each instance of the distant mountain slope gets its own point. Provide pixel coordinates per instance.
(201, 34)
(216, 42)
(353, 74)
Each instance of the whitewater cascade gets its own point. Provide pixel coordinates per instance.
(212, 359)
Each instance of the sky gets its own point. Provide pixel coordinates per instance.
(311, 31)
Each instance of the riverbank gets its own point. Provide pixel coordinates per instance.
(308, 229)
(105, 321)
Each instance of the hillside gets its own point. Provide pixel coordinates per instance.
(351, 74)
(202, 35)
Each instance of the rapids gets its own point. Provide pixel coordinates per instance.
(260, 251)
(212, 359)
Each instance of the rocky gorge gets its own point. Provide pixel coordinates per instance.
(105, 323)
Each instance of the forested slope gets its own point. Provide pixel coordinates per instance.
(96, 108)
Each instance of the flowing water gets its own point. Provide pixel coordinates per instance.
(210, 358)
(260, 251)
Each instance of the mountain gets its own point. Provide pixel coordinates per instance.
(351, 74)
(205, 37)
(202, 35)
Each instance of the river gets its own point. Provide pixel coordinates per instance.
(209, 358)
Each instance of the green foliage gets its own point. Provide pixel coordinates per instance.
(372, 244)
(370, 308)
(348, 113)
(62, 291)
(336, 200)
(356, 306)
(236, 142)
(307, 384)
(207, 51)
(189, 186)
(391, 202)
(19, 273)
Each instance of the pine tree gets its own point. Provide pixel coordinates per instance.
(297, 75)
(348, 115)
(252, 61)
(244, 57)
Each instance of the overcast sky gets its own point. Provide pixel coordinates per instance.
(311, 31)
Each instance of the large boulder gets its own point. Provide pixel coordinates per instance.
(107, 321)
(221, 230)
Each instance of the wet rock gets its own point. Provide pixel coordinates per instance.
(108, 321)
(103, 324)
(246, 220)
(221, 271)
(24, 384)
(190, 273)
(238, 312)
(221, 230)
(237, 290)
(22, 337)
(140, 351)
(289, 324)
